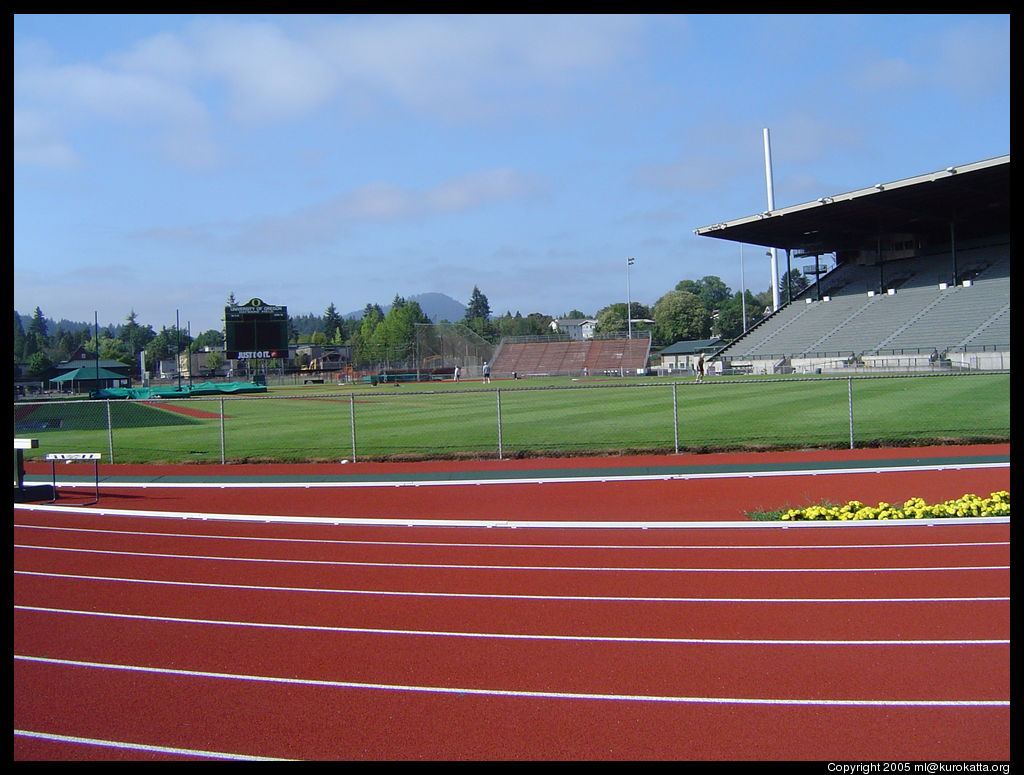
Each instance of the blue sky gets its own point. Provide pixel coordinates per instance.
(165, 161)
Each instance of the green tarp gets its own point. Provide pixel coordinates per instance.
(185, 391)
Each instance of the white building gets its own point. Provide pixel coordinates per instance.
(576, 328)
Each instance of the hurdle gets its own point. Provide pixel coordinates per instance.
(22, 491)
(69, 457)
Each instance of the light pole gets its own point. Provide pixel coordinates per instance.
(770, 186)
(629, 302)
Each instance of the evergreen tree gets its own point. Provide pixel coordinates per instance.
(37, 329)
(333, 322)
(19, 337)
(478, 306)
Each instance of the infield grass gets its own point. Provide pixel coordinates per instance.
(597, 417)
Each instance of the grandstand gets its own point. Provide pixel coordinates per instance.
(555, 355)
(921, 282)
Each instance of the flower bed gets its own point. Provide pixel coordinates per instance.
(995, 505)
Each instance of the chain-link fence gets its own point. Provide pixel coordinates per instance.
(512, 419)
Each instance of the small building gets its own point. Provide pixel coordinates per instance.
(325, 357)
(682, 356)
(578, 329)
(82, 372)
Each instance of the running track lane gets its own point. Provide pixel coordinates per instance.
(362, 673)
(706, 492)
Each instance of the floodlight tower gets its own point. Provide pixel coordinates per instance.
(629, 302)
(771, 206)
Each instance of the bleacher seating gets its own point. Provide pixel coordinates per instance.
(571, 357)
(927, 309)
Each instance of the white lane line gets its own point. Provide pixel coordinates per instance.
(122, 745)
(511, 692)
(484, 595)
(751, 474)
(477, 545)
(506, 523)
(454, 566)
(524, 636)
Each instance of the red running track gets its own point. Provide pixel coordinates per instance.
(141, 638)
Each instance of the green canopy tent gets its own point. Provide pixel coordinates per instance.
(88, 378)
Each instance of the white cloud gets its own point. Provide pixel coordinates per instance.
(267, 75)
(38, 143)
(81, 90)
(885, 73)
(445, 67)
(322, 222)
(449, 65)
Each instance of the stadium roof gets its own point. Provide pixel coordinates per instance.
(974, 197)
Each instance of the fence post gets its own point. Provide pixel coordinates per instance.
(500, 446)
(110, 433)
(849, 391)
(675, 415)
(352, 423)
(223, 450)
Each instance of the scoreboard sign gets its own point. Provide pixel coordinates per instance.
(256, 330)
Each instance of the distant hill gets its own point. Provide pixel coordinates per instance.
(436, 306)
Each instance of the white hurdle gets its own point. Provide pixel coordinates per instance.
(71, 457)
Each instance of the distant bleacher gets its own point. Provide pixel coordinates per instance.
(903, 311)
(553, 356)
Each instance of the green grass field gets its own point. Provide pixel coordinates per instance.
(462, 419)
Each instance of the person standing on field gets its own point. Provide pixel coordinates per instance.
(487, 373)
(700, 368)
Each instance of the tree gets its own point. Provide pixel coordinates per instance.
(166, 346)
(135, 337)
(680, 316)
(214, 360)
(38, 365)
(792, 283)
(109, 349)
(729, 323)
(334, 324)
(711, 290)
(19, 337)
(612, 319)
(211, 338)
(36, 338)
(363, 337)
(478, 306)
(38, 324)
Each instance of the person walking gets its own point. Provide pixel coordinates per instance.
(700, 368)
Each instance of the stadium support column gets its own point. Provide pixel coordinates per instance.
(771, 206)
(789, 277)
(952, 248)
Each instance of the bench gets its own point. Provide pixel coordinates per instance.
(71, 457)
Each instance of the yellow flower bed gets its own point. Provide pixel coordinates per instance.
(995, 505)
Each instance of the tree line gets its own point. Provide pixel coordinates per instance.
(38, 348)
(692, 310)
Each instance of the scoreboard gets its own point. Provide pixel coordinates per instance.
(256, 330)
